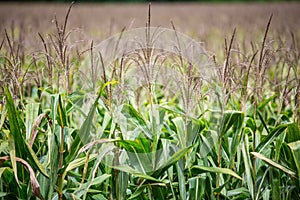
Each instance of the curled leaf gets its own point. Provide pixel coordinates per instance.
(35, 186)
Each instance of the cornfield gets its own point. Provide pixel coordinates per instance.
(150, 112)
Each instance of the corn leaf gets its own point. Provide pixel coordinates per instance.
(295, 147)
(217, 170)
(274, 164)
(31, 114)
(248, 166)
(136, 118)
(136, 173)
(174, 158)
(14, 126)
(271, 137)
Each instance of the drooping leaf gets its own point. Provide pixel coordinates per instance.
(240, 192)
(136, 173)
(72, 165)
(274, 164)
(96, 181)
(217, 170)
(35, 186)
(35, 160)
(78, 162)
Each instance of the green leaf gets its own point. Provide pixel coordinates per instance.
(271, 137)
(31, 110)
(180, 131)
(4, 194)
(75, 147)
(259, 190)
(136, 173)
(54, 161)
(4, 149)
(84, 133)
(139, 145)
(138, 192)
(3, 113)
(197, 187)
(275, 184)
(274, 164)
(135, 117)
(2, 169)
(194, 128)
(122, 184)
(293, 133)
(12, 153)
(263, 121)
(241, 192)
(98, 180)
(217, 170)
(78, 162)
(236, 138)
(22, 149)
(174, 158)
(34, 159)
(74, 164)
(295, 147)
(230, 119)
(98, 197)
(251, 124)
(158, 192)
(174, 109)
(14, 126)
(62, 117)
(248, 166)
(266, 101)
(139, 153)
(181, 182)
(85, 129)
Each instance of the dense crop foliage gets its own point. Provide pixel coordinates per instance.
(72, 128)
